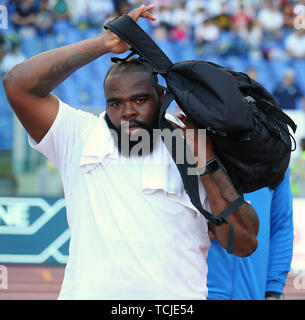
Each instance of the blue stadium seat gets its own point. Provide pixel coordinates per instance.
(185, 50)
(168, 48)
(61, 26)
(96, 94)
(84, 76)
(236, 63)
(278, 67)
(299, 67)
(30, 46)
(69, 93)
(265, 76)
(72, 35)
(49, 42)
(4, 104)
(145, 25)
(6, 131)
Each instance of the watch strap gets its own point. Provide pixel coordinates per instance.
(210, 167)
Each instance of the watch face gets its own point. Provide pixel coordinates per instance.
(213, 165)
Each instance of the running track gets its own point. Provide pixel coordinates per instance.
(27, 282)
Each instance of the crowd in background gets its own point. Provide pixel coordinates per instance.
(270, 29)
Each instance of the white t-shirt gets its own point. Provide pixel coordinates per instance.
(270, 19)
(296, 45)
(134, 232)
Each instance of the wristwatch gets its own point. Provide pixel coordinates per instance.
(210, 167)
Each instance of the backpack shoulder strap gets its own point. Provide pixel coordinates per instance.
(140, 41)
(191, 181)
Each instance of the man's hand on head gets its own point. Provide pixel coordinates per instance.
(117, 45)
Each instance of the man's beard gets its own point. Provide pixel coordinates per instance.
(138, 144)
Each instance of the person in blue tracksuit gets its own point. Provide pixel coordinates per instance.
(264, 273)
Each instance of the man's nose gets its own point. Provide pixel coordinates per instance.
(129, 111)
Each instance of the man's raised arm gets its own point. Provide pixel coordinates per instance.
(29, 84)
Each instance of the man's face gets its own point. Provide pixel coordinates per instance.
(133, 103)
(130, 96)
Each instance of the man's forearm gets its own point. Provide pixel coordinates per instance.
(221, 193)
(42, 73)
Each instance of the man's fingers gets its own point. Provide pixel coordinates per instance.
(188, 123)
(143, 11)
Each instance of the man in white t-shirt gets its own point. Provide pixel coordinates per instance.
(134, 231)
(295, 44)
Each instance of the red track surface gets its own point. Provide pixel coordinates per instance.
(44, 282)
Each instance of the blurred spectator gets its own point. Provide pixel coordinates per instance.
(206, 37)
(228, 44)
(192, 6)
(164, 24)
(242, 18)
(252, 73)
(288, 14)
(11, 58)
(44, 20)
(198, 17)
(215, 7)
(123, 7)
(252, 37)
(295, 44)
(180, 14)
(98, 10)
(272, 20)
(223, 19)
(24, 17)
(298, 173)
(180, 32)
(287, 92)
(61, 10)
(164, 17)
(159, 3)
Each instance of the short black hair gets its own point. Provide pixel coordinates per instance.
(136, 62)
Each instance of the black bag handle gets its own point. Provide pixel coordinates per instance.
(141, 43)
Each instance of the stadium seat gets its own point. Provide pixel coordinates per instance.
(49, 42)
(69, 93)
(30, 46)
(278, 67)
(6, 131)
(236, 63)
(61, 26)
(265, 76)
(168, 48)
(299, 67)
(184, 50)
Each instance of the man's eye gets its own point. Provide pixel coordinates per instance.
(140, 100)
(114, 104)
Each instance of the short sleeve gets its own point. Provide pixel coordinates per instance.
(65, 132)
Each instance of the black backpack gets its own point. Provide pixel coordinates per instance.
(247, 126)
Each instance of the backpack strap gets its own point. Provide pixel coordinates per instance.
(141, 43)
(275, 112)
(191, 181)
